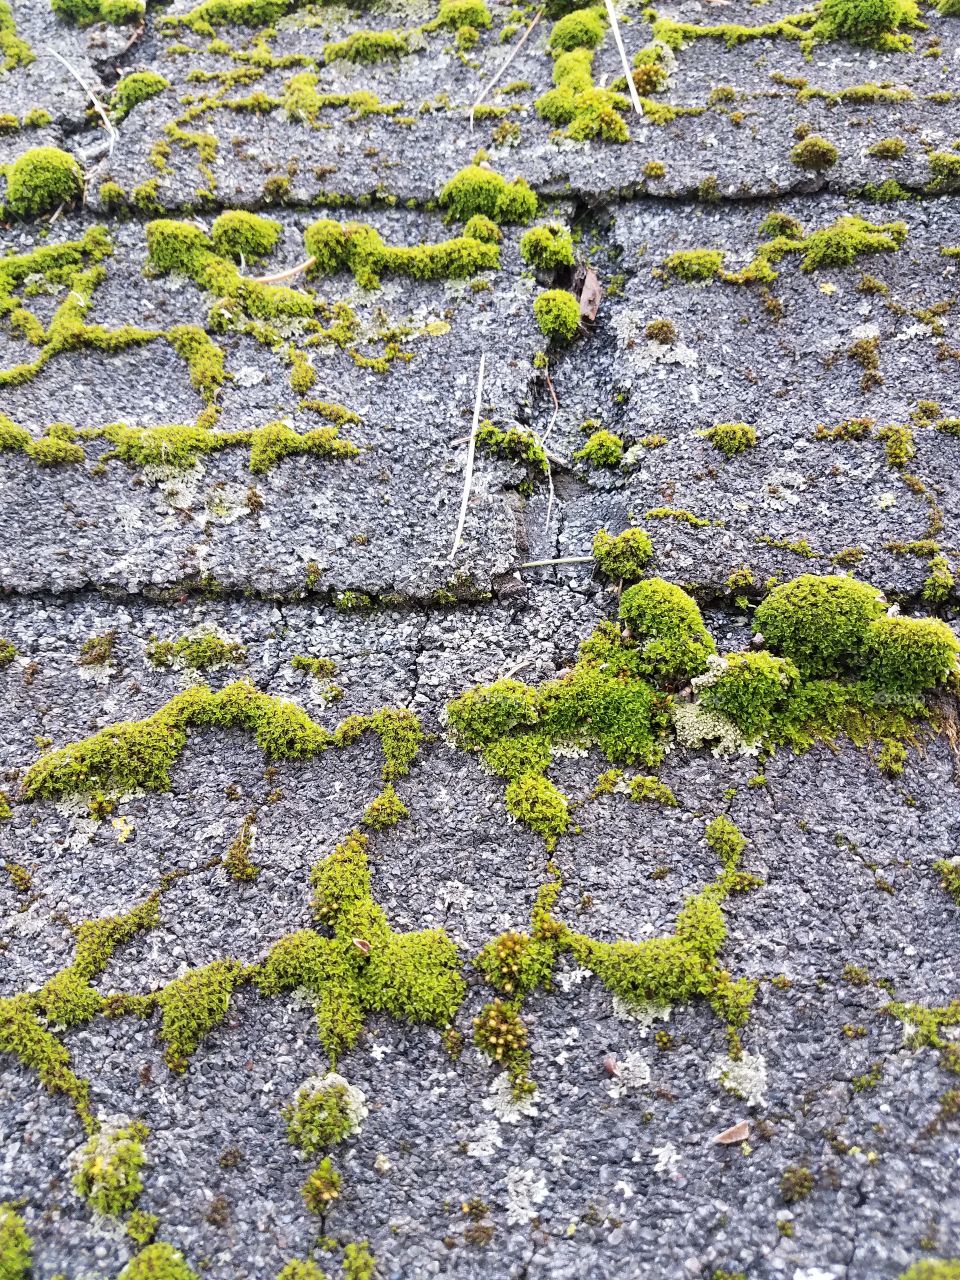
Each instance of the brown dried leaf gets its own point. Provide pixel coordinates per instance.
(362, 945)
(590, 296)
(736, 1133)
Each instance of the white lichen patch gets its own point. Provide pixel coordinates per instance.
(507, 1108)
(644, 1014)
(695, 726)
(526, 1189)
(746, 1077)
(633, 1071)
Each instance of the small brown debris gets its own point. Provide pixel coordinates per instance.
(738, 1132)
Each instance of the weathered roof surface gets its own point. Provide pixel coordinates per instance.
(205, 485)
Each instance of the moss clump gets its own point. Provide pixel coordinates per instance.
(477, 189)
(137, 87)
(888, 149)
(108, 1171)
(516, 963)
(237, 858)
(8, 651)
(726, 840)
(499, 1032)
(547, 247)
(84, 12)
(796, 1183)
(321, 1115)
(667, 627)
(16, 1247)
(491, 712)
(364, 966)
(385, 810)
(749, 689)
(557, 314)
(365, 47)
(819, 622)
(623, 558)
(644, 787)
(602, 449)
(534, 801)
(42, 179)
(928, 1268)
(694, 266)
(158, 1262)
(356, 247)
(204, 651)
(909, 656)
(871, 22)
(299, 1269)
(731, 438)
(519, 446)
(454, 14)
(321, 1188)
(815, 154)
(480, 227)
(244, 236)
(581, 29)
(662, 331)
(191, 1006)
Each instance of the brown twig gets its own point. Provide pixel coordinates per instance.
(100, 108)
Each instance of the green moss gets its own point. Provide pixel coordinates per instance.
(516, 963)
(870, 22)
(909, 656)
(237, 858)
(929, 1268)
(385, 810)
(356, 247)
(490, 712)
(944, 171)
(108, 1172)
(364, 967)
(142, 1227)
(749, 689)
(203, 651)
(547, 247)
(519, 446)
(322, 1187)
(205, 360)
(644, 787)
(14, 52)
(41, 179)
(667, 628)
(25, 1037)
(157, 1262)
(796, 1183)
(134, 88)
(8, 651)
(819, 622)
(939, 582)
(625, 557)
(16, 1247)
(694, 266)
(84, 12)
(731, 438)
(359, 1262)
(298, 1269)
(602, 449)
(476, 189)
(814, 154)
(192, 1006)
(368, 46)
(583, 28)
(320, 1116)
(499, 1032)
(726, 840)
(557, 314)
(535, 802)
(244, 236)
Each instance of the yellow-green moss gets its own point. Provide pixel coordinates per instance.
(360, 249)
(137, 87)
(41, 179)
(557, 314)
(16, 1246)
(731, 438)
(108, 1172)
(478, 189)
(158, 1262)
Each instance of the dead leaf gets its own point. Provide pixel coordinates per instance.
(611, 1066)
(590, 296)
(362, 945)
(736, 1133)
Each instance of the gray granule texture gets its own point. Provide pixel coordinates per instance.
(609, 1168)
